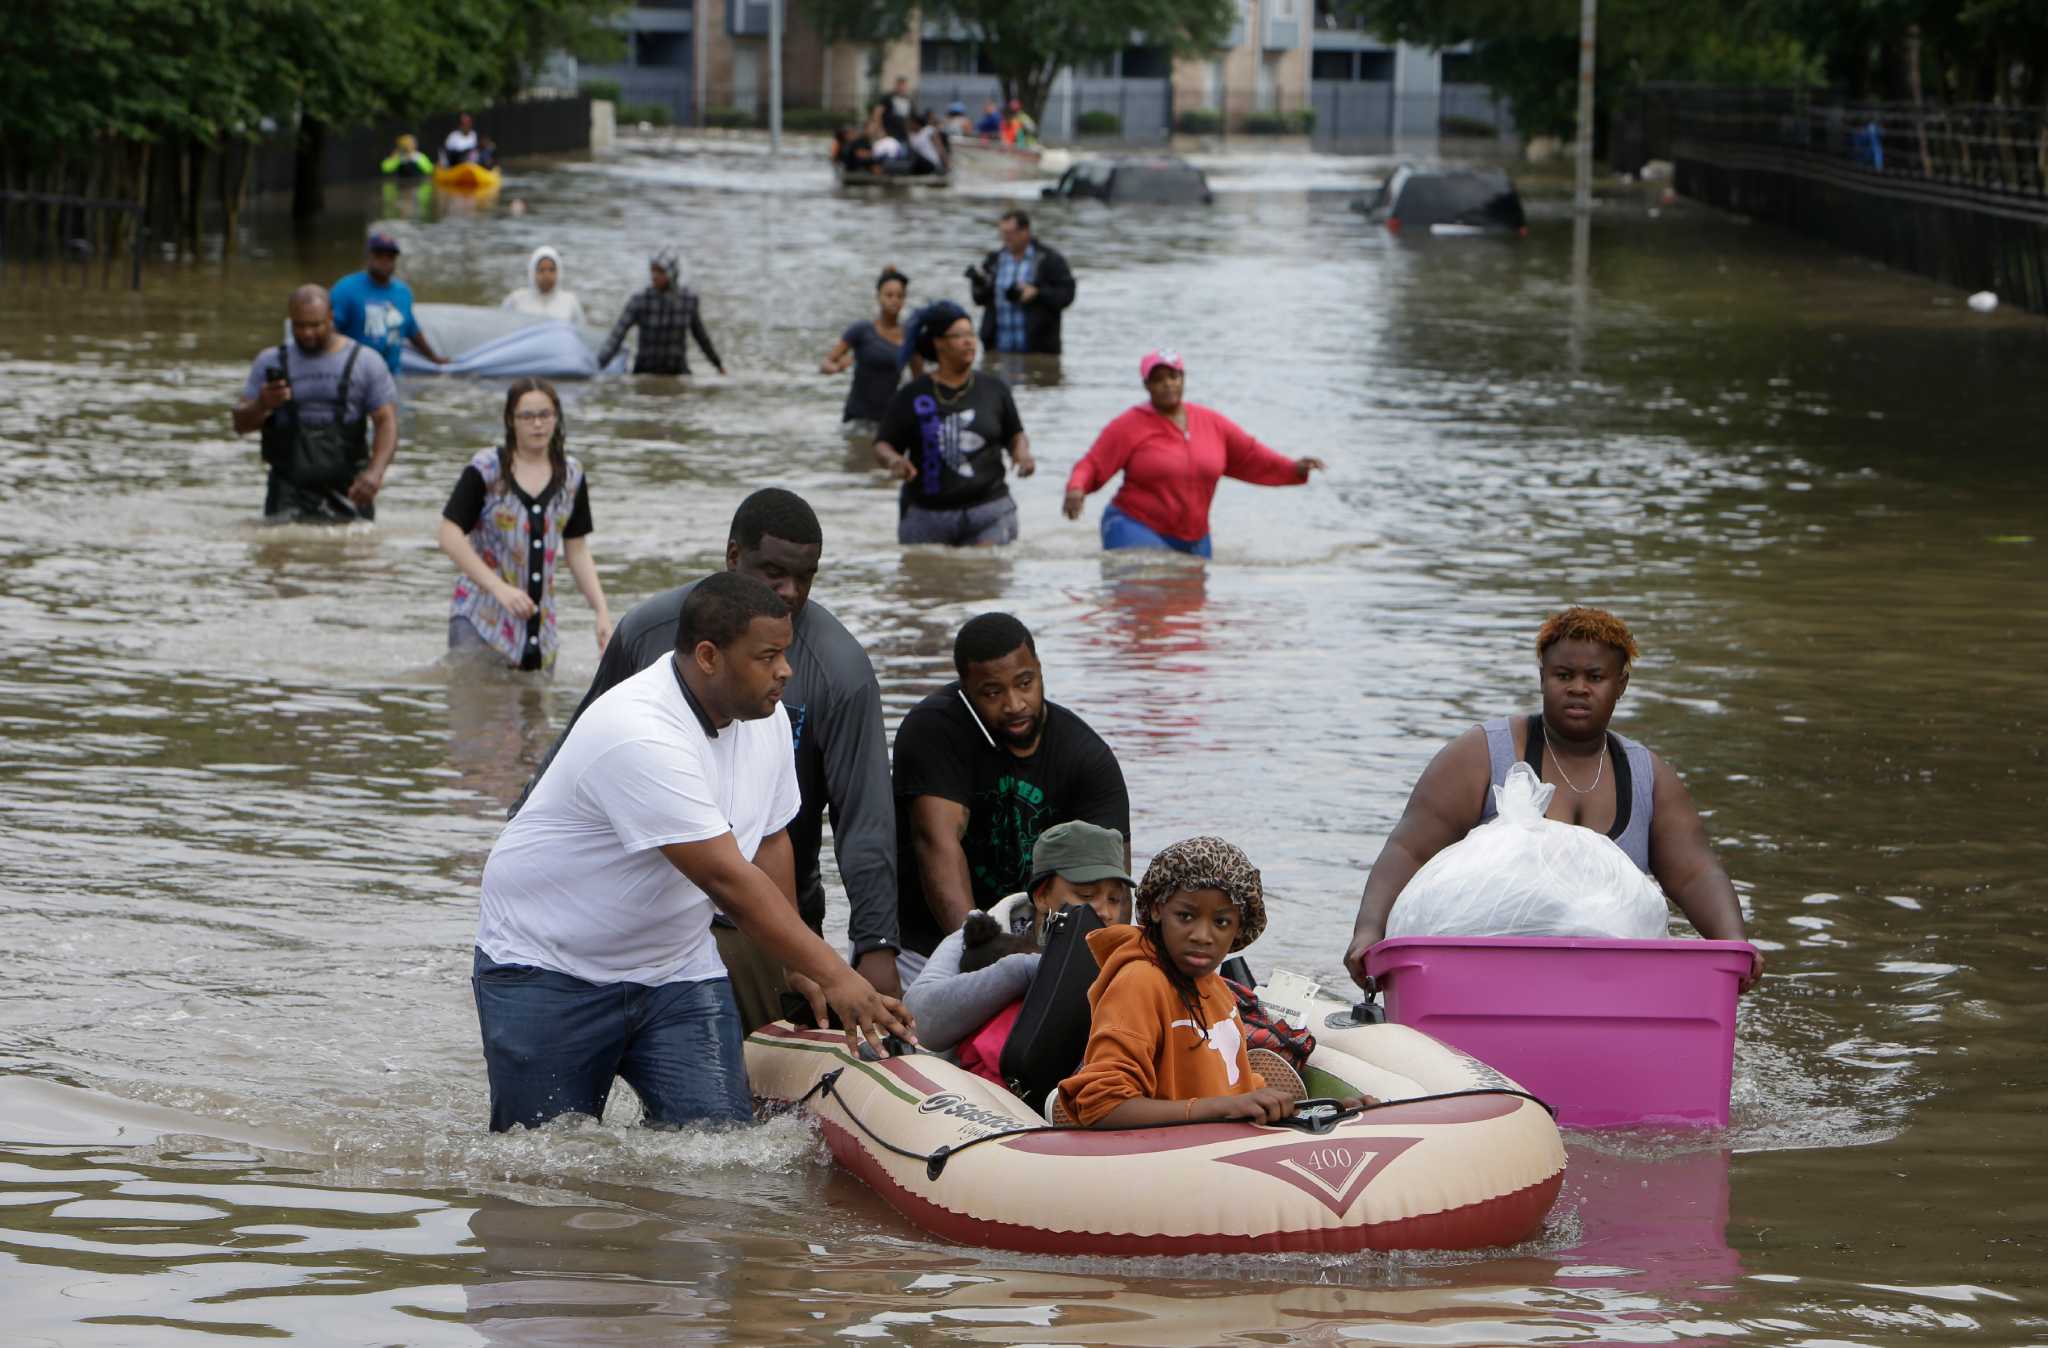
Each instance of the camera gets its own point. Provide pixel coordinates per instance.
(272, 375)
(1015, 294)
(977, 277)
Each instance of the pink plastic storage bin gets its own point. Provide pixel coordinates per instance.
(1611, 1033)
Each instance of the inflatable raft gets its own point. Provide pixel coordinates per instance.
(467, 178)
(504, 344)
(1457, 1158)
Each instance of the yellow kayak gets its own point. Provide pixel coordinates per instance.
(467, 178)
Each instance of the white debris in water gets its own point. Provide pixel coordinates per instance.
(1983, 301)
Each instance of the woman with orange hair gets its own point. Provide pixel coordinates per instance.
(1606, 782)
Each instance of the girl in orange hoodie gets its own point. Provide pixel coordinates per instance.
(1165, 1044)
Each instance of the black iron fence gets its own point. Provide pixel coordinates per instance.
(1985, 147)
(45, 235)
(1956, 192)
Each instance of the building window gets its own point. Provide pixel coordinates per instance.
(661, 49)
(947, 58)
(1460, 68)
(1376, 67)
(1332, 65)
(1147, 63)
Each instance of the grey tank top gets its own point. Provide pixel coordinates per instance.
(1634, 781)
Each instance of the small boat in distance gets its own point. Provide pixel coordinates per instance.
(467, 178)
(867, 178)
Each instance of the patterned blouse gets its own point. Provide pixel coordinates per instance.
(520, 537)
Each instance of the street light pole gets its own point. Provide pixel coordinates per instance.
(1582, 193)
(775, 76)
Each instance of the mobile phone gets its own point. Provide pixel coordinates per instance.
(273, 375)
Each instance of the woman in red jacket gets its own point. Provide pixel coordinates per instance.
(1172, 453)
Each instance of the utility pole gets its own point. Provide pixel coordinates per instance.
(775, 75)
(1582, 194)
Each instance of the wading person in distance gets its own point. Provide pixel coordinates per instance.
(668, 316)
(945, 435)
(319, 400)
(1022, 287)
(374, 307)
(1172, 454)
(518, 509)
(543, 295)
(870, 349)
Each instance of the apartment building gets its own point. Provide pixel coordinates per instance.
(1285, 64)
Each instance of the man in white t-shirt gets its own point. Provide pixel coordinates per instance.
(460, 147)
(594, 955)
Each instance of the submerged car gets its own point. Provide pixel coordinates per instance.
(1157, 180)
(1447, 201)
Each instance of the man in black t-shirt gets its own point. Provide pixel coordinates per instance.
(983, 766)
(945, 434)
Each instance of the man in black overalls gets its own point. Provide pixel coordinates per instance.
(318, 407)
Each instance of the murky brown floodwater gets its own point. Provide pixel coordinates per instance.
(243, 807)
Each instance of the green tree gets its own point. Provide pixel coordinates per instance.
(1915, 50)
(1527, 50)
(1030, 41)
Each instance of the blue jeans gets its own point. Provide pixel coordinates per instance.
(1121, 531)
(553, 1044)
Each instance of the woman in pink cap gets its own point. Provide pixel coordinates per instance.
(1172, 453)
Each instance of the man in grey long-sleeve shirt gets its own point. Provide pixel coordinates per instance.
(842, 750)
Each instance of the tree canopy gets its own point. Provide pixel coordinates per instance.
(76, 74)
(1029, 41)
(1958, 50)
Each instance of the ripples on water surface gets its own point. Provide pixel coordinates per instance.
(244, 805)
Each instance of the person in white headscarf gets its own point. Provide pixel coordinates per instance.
(543, 294)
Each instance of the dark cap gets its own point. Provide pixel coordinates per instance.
(380, 242)
(936, 320)
(1079, 852)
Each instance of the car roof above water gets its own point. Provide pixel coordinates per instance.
(1155, 178)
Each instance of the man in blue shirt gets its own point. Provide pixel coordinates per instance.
(374, 307)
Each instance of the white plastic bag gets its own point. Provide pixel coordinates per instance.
(1520, 874)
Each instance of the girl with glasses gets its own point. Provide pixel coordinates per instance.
(518, 508)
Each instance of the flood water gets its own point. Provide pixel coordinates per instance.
(244, 804)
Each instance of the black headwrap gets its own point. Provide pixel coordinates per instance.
(937, 319)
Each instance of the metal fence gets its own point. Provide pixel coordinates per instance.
(1983, 147)
(43, 233)
(1957, 192)
(1365, 116)
(529, 126)
(669, 87)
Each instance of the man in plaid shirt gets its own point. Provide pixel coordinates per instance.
(668, 316)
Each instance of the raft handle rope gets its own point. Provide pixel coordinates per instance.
(1314, 1116)
(934, 1161)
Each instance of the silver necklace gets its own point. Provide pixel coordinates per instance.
(1558, 763)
